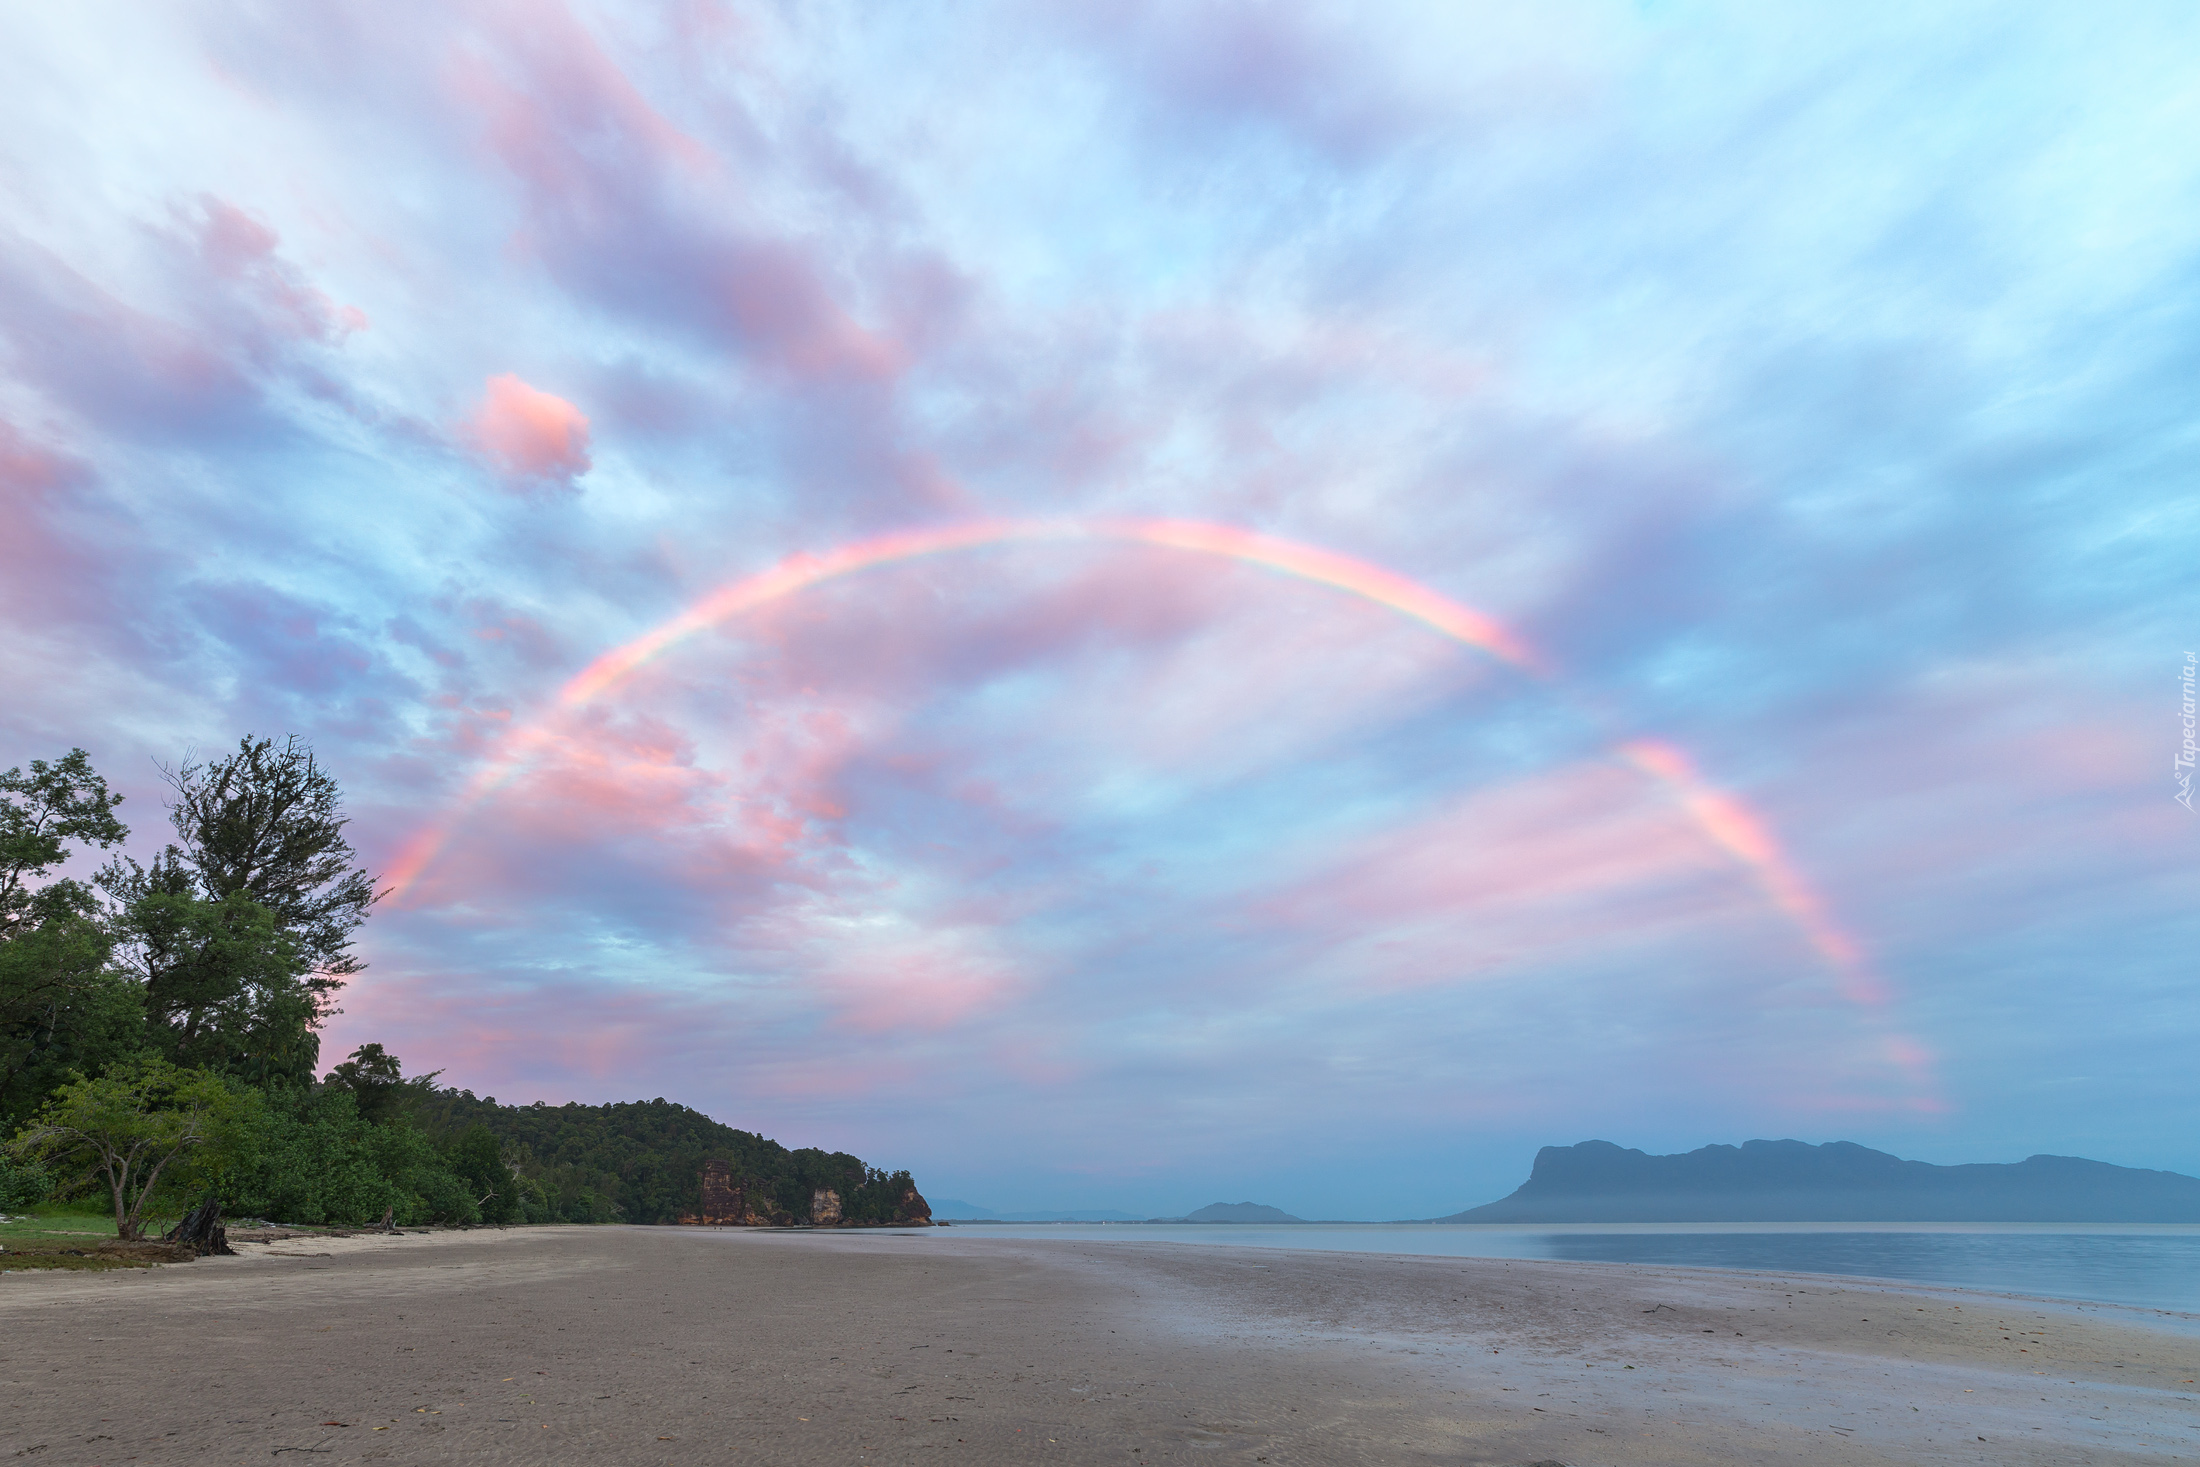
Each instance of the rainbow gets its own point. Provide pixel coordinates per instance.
(1724, 819)
(1738, 831)
(801, 572)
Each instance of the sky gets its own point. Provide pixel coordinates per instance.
(1135, 604)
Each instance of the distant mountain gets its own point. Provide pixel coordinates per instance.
(1791, 1181)
(1235, 1212)
(954, 1209)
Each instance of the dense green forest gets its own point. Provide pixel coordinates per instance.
(642, 1161)
(160, 1038)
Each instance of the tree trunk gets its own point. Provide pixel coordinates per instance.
(202, 1229)
(118, 1182)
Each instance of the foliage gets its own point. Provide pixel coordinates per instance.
(22, 1183)
(475, 1156)
(143, 1123)
(60, 1016)
(316, 1159)
(346, 1151)
(267, 824)
(165, 1039)
(642, 1161)
(378, 1084)
(878, 1198)
(41, 814)
(221, 980)
(240, 936)
(59, 1008)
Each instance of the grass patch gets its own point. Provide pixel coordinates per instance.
(66, 1223)
(90, 1256)
(83, 1260)
(68, 1230)
(77, 1236)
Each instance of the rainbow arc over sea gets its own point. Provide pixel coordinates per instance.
(1723, 818)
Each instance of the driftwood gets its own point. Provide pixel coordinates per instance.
(201, 1230)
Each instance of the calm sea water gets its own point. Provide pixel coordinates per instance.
(2152, 1265)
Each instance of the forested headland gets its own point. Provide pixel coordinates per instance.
(160, 1040)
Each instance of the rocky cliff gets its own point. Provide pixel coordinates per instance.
(731, 1201)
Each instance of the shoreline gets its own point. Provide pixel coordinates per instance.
(697, 1344)
(2145, 1265)
(2171, 1229)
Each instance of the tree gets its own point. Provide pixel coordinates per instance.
(475, 1156)
(41, 814)
(378, 1084)
(315, 1161)
(61, 1014)
(220, 980)
(267, 823)
(59, 1009)
(143, 1122)
(241, 934)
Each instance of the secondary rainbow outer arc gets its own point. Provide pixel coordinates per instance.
(1726, 820)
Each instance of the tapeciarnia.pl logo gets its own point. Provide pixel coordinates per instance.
(2183, 767)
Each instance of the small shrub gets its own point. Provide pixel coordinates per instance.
(22, 1183)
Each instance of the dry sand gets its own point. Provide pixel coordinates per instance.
(635, 1345)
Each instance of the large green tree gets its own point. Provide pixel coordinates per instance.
(60, 1009)
(267, 823)
(240, 933)
(143, 1123)
(221, 983)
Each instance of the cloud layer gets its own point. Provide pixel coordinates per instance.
(1812, 391)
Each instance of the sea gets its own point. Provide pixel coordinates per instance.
(2151, 1265)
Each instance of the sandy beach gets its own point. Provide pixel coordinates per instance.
(632, 1345)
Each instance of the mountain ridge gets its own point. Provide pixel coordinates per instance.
(1840, 1181)
(1234, 1212)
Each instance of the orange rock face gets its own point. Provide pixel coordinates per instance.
(825, 1208)
(723, 1202)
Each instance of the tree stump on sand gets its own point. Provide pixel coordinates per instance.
(201, 1230)
(388, 1224)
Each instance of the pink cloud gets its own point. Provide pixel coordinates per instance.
(1563, 864)
(1950, 843)
(563, 1038)
(1183, 662)
(189, 350)
(124, 368)
(889, 974)
(493, 1035)
(1208, 64)
(614, 211)
(532, 438)
(279, 302)
(32, 559)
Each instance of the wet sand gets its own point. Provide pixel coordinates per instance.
(634, 1345)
